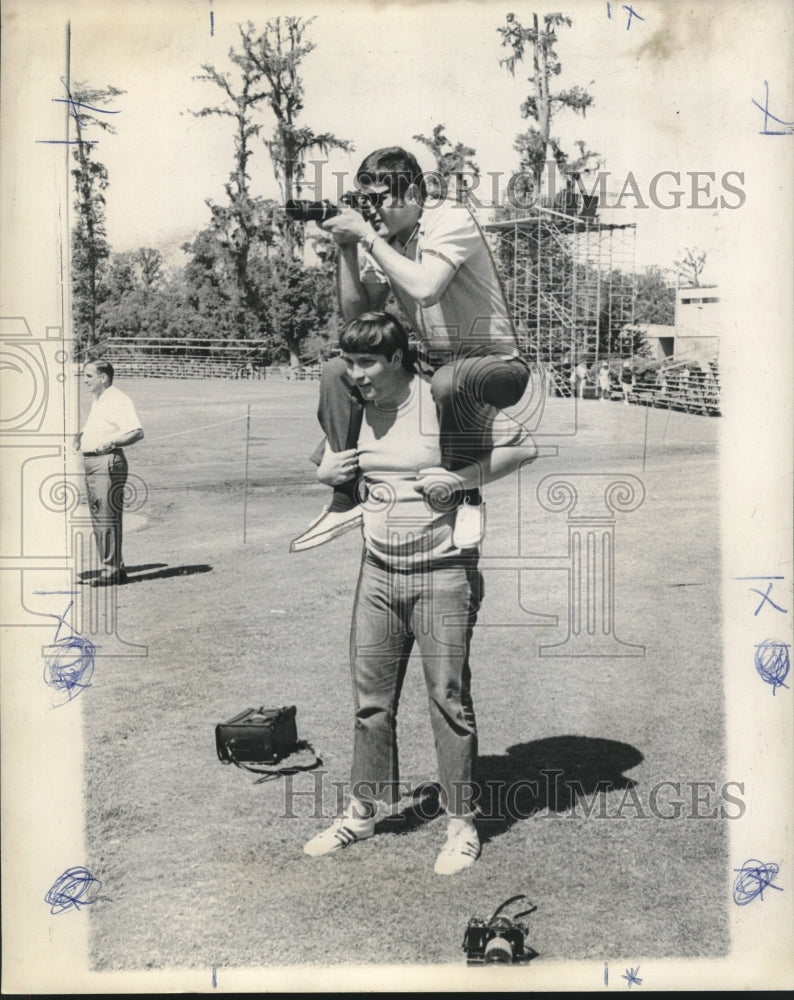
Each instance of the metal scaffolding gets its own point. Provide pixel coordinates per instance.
(570, 284)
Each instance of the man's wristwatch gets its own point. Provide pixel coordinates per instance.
(368, 241)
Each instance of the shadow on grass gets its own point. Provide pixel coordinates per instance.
(162, 571)
(554, 774)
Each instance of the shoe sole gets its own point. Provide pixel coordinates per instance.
(296, 545)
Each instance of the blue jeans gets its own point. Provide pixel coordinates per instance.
(437, 608)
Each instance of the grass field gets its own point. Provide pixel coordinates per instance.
(201, 866)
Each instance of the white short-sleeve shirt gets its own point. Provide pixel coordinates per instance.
(111, 415)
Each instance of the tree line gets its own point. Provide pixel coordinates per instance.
(246, 277)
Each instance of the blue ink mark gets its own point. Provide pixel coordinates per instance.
(759, 578)
(754, 876)
(75, 888)
(79, 104)
(214, 978)
(606, 964)
(788, 130)
(70, 667)
(766, 599)
(609, 11)
(82, 122)
(772, 661)
(212, 23)
(631, 977)
(632, 13)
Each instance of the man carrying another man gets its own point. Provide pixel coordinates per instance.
(437, 263)
(417, 585)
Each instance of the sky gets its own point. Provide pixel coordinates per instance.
(672, 88)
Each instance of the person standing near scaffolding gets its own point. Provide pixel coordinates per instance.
(436, 261)
(579, 380)
(626, 380)
(604, 390)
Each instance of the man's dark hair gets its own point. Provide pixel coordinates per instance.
(104, 368)
(378, 333)
(393, 166)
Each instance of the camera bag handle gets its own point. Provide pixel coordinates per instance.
(269, 773)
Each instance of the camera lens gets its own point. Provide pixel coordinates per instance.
(498, 949)
(310, 211)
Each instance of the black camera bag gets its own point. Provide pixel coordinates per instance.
(257, 735)
(261, 736)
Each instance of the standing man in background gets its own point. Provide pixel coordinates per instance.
(112, 425)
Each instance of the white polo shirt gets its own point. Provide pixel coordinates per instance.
(111, 416)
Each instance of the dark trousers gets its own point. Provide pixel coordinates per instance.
(461, 391)
(105, 479)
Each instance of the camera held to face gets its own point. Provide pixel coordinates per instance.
(319, 211)
(500, 939)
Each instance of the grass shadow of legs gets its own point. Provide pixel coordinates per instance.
(556, 773)
(424, 808)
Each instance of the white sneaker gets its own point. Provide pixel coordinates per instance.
(469, 525)
(329, 525)
(461, 849)
(344, 832)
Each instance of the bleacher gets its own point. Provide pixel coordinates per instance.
(691, 388)
(675, 385)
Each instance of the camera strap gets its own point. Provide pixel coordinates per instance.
(270, 773)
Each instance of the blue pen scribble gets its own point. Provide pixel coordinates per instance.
(79, 104)
(632, 13)
(606, 973)
(82, 122)
(214, 978)
(766, 599)
(753, 877)
(788, 126)
(631, 977)
(75, 888)
(773, 662)
(68, 669)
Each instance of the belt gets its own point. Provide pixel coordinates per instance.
(96, 454)
(453, 562)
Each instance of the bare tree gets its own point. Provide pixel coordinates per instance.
(235, 224)
(276, 56)
(90, 249)
(542, 105)
(452, 162)
(689, 267)
(247, 228)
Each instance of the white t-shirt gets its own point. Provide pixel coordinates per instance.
(400, 527)
(111, 416)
